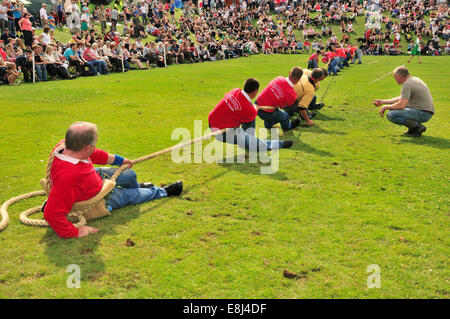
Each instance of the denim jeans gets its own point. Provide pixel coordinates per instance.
(277, 116)
(92, 67)
(312, 64)
(333, 67)
(400, 116)
(245, 138)
(127, 191)
(12, 27)
(41, 71)
(358, 54)
(100, 66)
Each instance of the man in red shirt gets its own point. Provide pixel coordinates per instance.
(237, 109)
(74, 179)
(279, 93)
(313, 61)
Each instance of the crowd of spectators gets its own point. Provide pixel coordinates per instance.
(209, 31)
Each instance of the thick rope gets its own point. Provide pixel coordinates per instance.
(80, 211)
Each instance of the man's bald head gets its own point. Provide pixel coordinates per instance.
(79, 135)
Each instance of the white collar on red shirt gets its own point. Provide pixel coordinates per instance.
(289, 81)
(69, 159)
(246, 96)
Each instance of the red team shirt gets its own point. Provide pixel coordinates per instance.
(233, 110)
(280, 93)
(72, 181)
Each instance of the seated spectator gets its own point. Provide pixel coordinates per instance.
(94, 61)
(39, 64)
(71, 56)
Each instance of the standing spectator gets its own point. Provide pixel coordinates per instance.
(11, 18)
(102, 18)
(43, 15)
(60, 14)
(416, 49)
(3, 15)
(25, 26)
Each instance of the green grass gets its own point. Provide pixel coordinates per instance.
(352, 191)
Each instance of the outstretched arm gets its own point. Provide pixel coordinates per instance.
(379, 102)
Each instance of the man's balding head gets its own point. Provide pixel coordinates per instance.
(401, 74)
(79, 135)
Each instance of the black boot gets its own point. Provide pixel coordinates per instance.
(420, 128)
(174, 189)
(413, 128)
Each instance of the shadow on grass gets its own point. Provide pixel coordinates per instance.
(303, 147)
(323, 117)
(317, 129)
(250, 168)
(82, 251)
(436, 142)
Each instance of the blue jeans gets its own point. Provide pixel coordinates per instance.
(333, 67)
(312, 64)
(12, 27)
(97, 66)
(400, 116)
(127, 191)
(272, 118)
(245, 138)
(358, 54)
(41, 70)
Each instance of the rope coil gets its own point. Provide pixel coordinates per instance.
(81, 208)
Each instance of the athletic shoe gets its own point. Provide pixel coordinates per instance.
(174, 189)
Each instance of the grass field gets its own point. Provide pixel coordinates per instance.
(351, 192)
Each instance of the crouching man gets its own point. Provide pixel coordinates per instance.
(74, 179)
(413, 107)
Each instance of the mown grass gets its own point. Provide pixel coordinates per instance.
(352, 191)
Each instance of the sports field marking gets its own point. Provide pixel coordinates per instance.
(372, 62)
(383, 76)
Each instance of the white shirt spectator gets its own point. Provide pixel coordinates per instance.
(43, 14)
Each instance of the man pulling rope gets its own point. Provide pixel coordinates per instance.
(74, 179)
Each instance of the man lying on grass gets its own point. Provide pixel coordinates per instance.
(74, 179)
